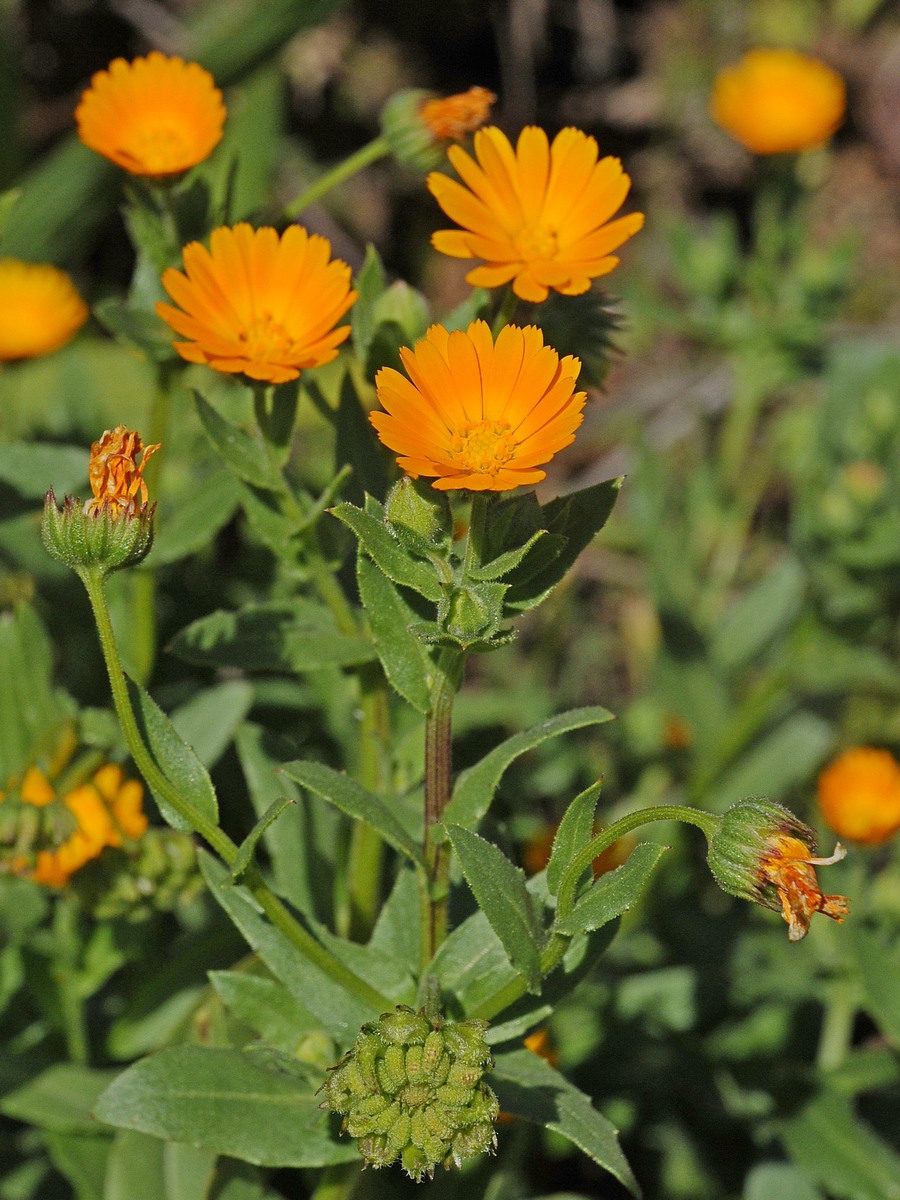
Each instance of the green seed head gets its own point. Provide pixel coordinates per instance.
(412, 1089)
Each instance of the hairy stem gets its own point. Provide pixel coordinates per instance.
(438, 777)
(371, 152)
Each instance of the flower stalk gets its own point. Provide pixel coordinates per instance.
(356, 162)
(438, 777)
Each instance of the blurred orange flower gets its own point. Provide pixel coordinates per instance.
(154, 116)
(859, 795)
(258, 303)
(478, 414)
(538, 215)
(789, 866)
(115, 476)
(40, 310)
(450, 118)
(779, 100)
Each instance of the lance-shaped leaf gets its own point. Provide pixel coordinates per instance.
(500, 890)
(475, 787)
(575, 831)
(175, 759)
(613, 893)
(396, 562)
(289, 635)
(244, 454)
(356, 801)
(247, 847)
(224, 1100)
(530, 1088)
(33, 467)
(504, 563)
(404, 658)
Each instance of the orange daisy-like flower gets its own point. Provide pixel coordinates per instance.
(40, 310)
(859, 795)
(538, 215)
(789, 866)
(450, 118)
(478, 414)
(155, 116)
(258, 303)
(775, 101)
(116, 478)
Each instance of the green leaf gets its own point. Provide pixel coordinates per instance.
(405, 660)
(191, 527)
(82, 1160)
(281, 635)
(577, 517)
(500, 890)
(530, 1088)
(224, 1101)
(784, 758)
(575, 831)
(472, 964)
(356, 445)
(759, 615)
(135, 1168)
(266, 1006)
(474, 789)
(397, 564)
(248, 845)
(356, 801)
(396, 932)
(31, 711)
(60, 1099)
(175, 759)
(188, 1171)
(827, 1142)
(369, 283)
(582, 325)
(340, 1013)
(506, 562)
(209, 720)
(245, 455)
(31, 468)
(877, 955)
(475, 305)
(138, 328)
(613, 893)
(134, 1034)
(779, 1181)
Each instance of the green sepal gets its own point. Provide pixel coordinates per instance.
(102, 541)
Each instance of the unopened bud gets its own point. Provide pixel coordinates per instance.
(418, 125)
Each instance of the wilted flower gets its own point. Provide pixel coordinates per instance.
(417, 124)
(411, 1089)
(859, 795)
(538, 215)
(762, 852)
(778, 100)
(154, 116)
(40, 310)
(116, 477)
(450, 118)
(259, 304)
(479, 414)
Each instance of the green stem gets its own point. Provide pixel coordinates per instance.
(505, 311)
(68, 946)
(837, 1026)
(338, 1183)
(371, 152)
(555, 949)
(216, 837)
(438, 777)
(366, 845)
(481, 502)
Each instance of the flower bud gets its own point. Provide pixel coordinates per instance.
(762, 852)
(417, 124)
(393, 1091)
(419, 515)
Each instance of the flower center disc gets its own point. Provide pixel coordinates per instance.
(266, 340)
(483, 448)
(160, 150)
(534, 244)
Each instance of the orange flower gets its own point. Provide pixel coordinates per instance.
(859, 795)
(788, 865)
(539, 215)
(479, 415)
(774, 101)
(40, 310)
(450, 118)
(36, 788)
(259, 304)
(539, 1043)
(155, 116)
(116, 479)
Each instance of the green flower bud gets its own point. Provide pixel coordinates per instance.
(106, 539)
(392, 1089)
(418, 125)
(418, 515)
(742, 839)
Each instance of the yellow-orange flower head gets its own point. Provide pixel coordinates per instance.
(155, 116)
(116, 478)
(259, 304)
(450, 118)
(40, 310)
(859, 795)
(538, 215)
(478, 414)
(774, 101)
(790, 867)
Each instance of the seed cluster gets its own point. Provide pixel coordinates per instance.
(411, 1089)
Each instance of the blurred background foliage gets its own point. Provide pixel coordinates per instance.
(739, 614)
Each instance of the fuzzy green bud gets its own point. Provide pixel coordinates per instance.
(741, 841)
(418, 515)
(103, 539)
(392, 1089)
(417, 125)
